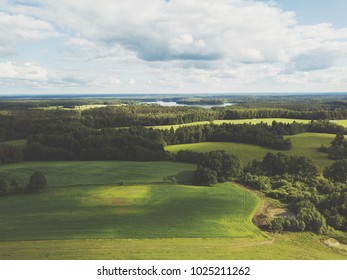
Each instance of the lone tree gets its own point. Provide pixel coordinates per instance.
(37, 182)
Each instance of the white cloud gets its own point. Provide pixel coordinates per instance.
(15, 29)
(191, 45)
(26, 71)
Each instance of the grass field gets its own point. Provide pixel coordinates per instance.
(248, 121)
(145, 222)
(135, 211)
(340, 122)
(289, 246)
(73, 173)
(86, 214)
(242, 121)
(303, 144)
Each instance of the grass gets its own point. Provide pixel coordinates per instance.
(137, 211)
(307, 144)
(86, 214)
(244, 152)
(289, 246)
(72, 173)
(248, 121)
(146, 222)
(340, 122)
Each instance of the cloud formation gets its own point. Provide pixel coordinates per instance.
(234, 45)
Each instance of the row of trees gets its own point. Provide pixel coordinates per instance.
(16, 124)
(135, 143)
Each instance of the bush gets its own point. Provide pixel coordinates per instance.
(37, 182)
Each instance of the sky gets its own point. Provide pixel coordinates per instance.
(173, 46)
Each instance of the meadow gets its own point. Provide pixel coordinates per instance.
(133, 211)
(245, 121)
(76, 173)
(160, 221)
(307, 144)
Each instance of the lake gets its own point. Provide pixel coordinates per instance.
(172, 104)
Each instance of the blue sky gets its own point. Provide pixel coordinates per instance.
(177, 46)
(317, 11)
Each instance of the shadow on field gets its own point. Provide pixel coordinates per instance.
(183, 177)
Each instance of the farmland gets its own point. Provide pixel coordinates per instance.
(289, 246)
(141, 221)
(64, 174)
(247, 121)
(303, 144)
(134, 211)
(84, 216)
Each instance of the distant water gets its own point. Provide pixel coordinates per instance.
(172, 104)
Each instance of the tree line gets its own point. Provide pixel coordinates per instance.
(18, 124)
(71, 140)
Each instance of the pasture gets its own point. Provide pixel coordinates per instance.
(307, 144)
(134, 211)
(289, 246)
(83, 215)
(247, 121)
(76, 173)
(239, 121)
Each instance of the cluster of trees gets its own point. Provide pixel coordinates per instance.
(37, 182)
(337, 171)
(316, 202)
(338, 147)
(216, 167)
(281, 164)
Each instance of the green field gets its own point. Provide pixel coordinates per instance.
(248, 121)
(289, 246)
(340, 122)
(135, 211)
(75, 173)
(303, 144)
(86, 214)
(241, 121)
